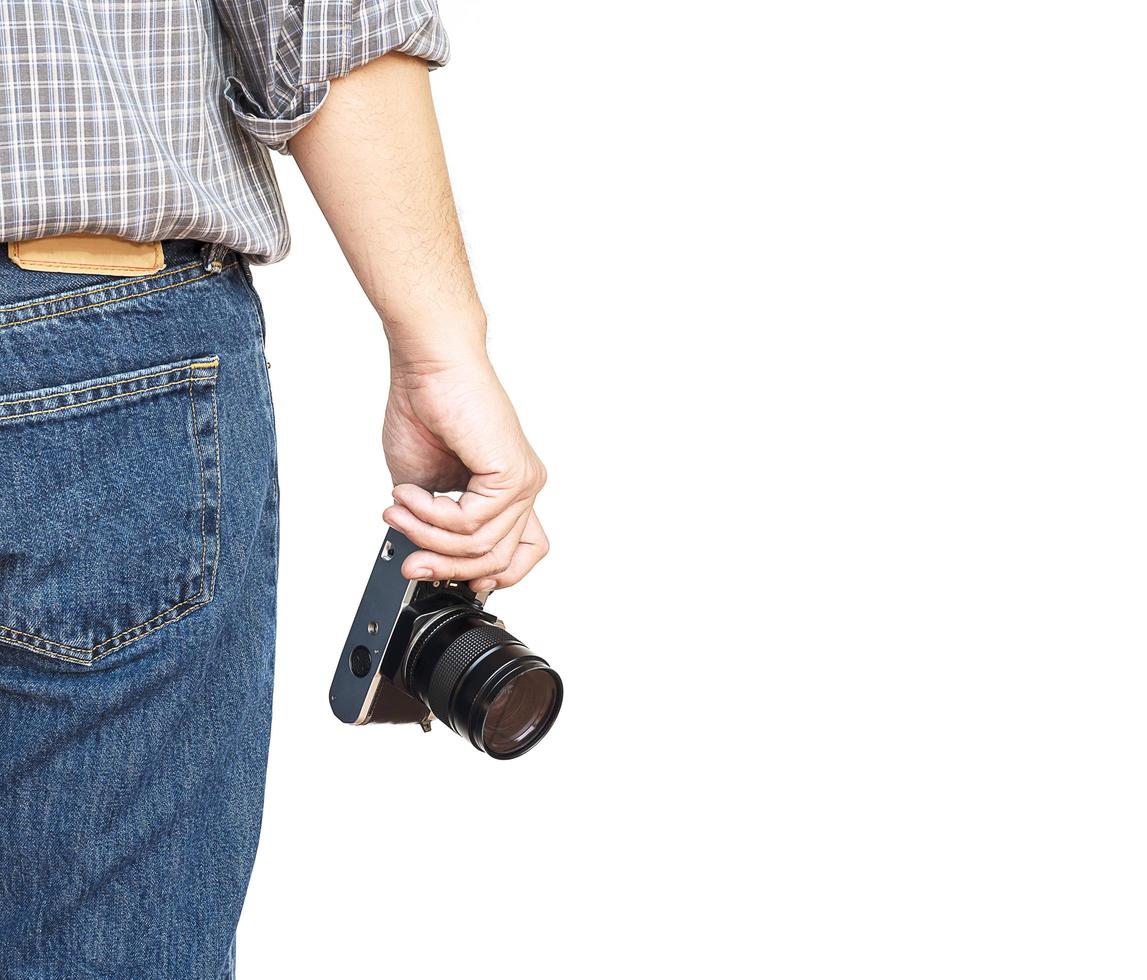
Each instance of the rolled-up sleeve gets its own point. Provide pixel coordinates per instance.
(284, 53)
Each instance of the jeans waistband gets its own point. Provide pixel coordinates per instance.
(21, 286)
(180, 251)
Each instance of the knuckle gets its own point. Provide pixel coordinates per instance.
(472, 548)
(486, 543)
(495, 565)
(470, 525)
(531, 477)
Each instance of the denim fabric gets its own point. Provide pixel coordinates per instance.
(139, 537)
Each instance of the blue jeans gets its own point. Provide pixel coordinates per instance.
(139, 532)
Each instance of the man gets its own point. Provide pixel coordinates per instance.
(139, 536)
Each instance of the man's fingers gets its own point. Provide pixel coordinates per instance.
(430, 564)
(466, 515)
(435, 539)
(531, 549)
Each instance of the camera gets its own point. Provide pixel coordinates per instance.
(420, 650)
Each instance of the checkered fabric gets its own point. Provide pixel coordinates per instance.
(154, 120)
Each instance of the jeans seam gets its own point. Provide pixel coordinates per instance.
(249, 282)
(261, 313)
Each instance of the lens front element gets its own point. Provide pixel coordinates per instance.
(523, 707)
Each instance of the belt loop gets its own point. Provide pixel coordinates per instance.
(213, 256)
(245, 265)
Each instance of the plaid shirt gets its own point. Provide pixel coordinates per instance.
(155, 120)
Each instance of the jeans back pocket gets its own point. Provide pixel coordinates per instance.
(109, 521)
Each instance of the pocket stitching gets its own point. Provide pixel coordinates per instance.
(42, 645)
(96, 401)
(100, 287)
(111, 299)
(198, 365)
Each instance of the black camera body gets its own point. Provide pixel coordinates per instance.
(423, 650)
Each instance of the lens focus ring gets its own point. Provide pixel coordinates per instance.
(457, 658)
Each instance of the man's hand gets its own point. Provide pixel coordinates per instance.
(373, 158)
(451, 427)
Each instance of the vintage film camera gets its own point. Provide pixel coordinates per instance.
(423, 650)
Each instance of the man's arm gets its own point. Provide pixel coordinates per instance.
(372, 156)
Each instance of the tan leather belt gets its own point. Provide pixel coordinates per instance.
(92, 254)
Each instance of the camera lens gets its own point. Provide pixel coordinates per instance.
(521, 708)
(484, 683)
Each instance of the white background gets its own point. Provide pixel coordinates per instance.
(827, 320)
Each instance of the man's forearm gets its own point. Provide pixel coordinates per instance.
(373, 159)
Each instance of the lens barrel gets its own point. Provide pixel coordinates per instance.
(484, 683)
